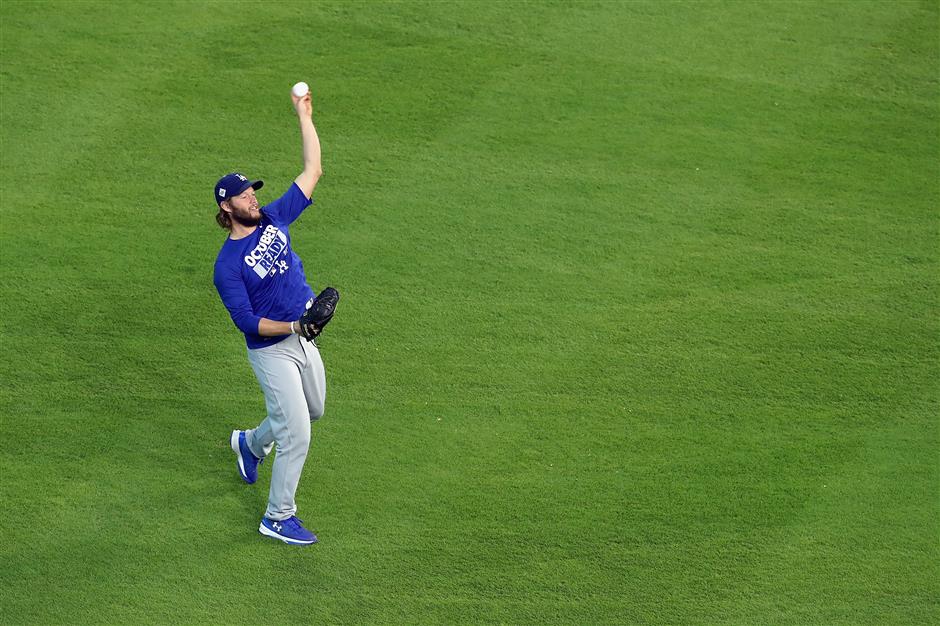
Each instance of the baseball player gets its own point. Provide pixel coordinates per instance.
(262, 284)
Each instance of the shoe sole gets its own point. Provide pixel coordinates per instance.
(238, 455)
(267, 532)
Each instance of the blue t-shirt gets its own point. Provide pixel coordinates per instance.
(260, 276)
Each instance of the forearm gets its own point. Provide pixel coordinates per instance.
(311, 145)
(308, 178)
(270, 328)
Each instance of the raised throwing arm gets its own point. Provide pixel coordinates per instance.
(308, 178)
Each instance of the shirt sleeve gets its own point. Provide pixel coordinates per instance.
(288, 207)
(234, 296)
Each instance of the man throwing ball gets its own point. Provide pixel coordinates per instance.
(262, 283)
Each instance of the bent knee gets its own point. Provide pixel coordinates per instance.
(300, 439)
(297, 445)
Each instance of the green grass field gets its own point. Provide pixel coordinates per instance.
(640, 319)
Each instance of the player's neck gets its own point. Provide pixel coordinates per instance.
(240, 232)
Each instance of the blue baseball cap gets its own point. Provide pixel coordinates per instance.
(233, 184)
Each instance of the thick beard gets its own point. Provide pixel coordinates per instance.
(246, 220)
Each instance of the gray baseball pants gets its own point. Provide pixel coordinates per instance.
(293, 380)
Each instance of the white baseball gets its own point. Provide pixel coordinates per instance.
(300, 89)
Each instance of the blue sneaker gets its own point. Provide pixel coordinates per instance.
(247, 461)
(289, 531)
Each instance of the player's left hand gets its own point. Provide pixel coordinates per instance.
(302, 105)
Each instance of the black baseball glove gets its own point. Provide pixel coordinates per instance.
(319, 315)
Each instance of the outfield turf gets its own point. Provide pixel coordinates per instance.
(639, 322)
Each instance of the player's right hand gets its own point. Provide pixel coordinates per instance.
(319, 315)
